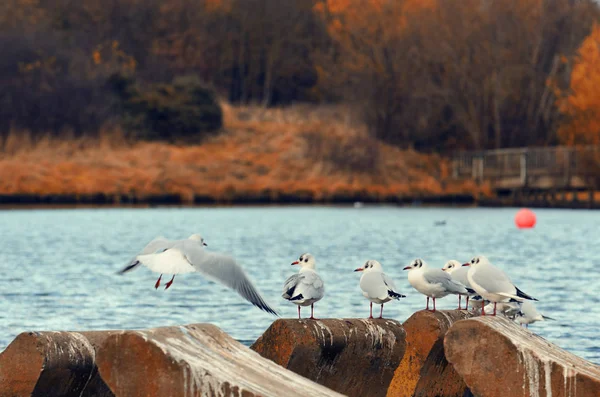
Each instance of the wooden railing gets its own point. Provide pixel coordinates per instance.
(544, 168)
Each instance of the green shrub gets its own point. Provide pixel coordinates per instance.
(181, 110)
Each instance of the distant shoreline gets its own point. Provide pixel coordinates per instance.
(26, 201)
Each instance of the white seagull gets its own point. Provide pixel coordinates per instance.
(376, 286)
(529, 314)
(306, 287)
(432, 282)
(187, 256)
(492, 284)
(459, 273)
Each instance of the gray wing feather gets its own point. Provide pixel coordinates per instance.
(159, 244)
(494, 280)
(290, 285)
(389, 282)
(225, 270)
(438, 276)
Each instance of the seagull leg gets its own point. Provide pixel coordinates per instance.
(381, 312)
(312, 317)
(433, 304)
(427, 308)
(494, 308)
(467, 305)
(170, 282)
(483, 307)
(371, 310)
(299, 312)
(157, 282)
(459, 306)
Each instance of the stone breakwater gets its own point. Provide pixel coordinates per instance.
(445, 353)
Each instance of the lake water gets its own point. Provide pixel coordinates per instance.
(59, 266)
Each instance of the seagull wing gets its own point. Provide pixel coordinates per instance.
(438, 276)
(373, 285)
(225, 270)
(494, 281)
(159, 244)
(391, 287)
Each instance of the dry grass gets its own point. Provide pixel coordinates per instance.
(316, 151)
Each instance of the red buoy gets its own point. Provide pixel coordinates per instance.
(525, 218)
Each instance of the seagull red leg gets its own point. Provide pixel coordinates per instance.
(433, 304)
(459, 305)
(494, 308)
(371, 310)
(170, 282)
(467, 305)
(381, 312)
(158, 282)
(482, 307)
(299, 312)
(312, 317)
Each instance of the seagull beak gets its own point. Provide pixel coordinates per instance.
(443, 269)
(295, 263)
(466, 264)
(407, 268)
(204, 244)
(360, 269)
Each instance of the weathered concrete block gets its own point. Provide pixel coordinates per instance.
(352, 356)
(52, 364)
(424, 370)
(194, 360)
(497, 357)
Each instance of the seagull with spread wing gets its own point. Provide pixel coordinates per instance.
(186, 256)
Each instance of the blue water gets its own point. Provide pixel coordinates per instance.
(59, 266)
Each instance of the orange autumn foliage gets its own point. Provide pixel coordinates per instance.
(298, 151)
(581, 105)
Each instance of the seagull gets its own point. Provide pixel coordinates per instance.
(434, 283)
(187, 256)
(160, 244)
(376, 285)
(492, 283)
(459, 273)
(306, 287)
(529, 314)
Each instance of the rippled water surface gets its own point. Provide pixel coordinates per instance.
(59, 266)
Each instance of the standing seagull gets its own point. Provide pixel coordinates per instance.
(376, 285)
(459, 273)
(187, 256)
(492, 283)
(306, 287)
(433, 283)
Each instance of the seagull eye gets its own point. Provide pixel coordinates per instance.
(305, 259)
(477, 261)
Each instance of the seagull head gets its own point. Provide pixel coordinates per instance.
(197, 237)
(477, 261)
(305, 261)
(416, 264)
(369, 266)
(451, 266)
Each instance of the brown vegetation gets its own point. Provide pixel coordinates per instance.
(311, 152)
(433, 75)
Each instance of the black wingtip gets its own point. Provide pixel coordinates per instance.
(470, 290)
(129, 267)
(395, 294)
(522, 294)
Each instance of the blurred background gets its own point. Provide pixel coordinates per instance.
(108, 101)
